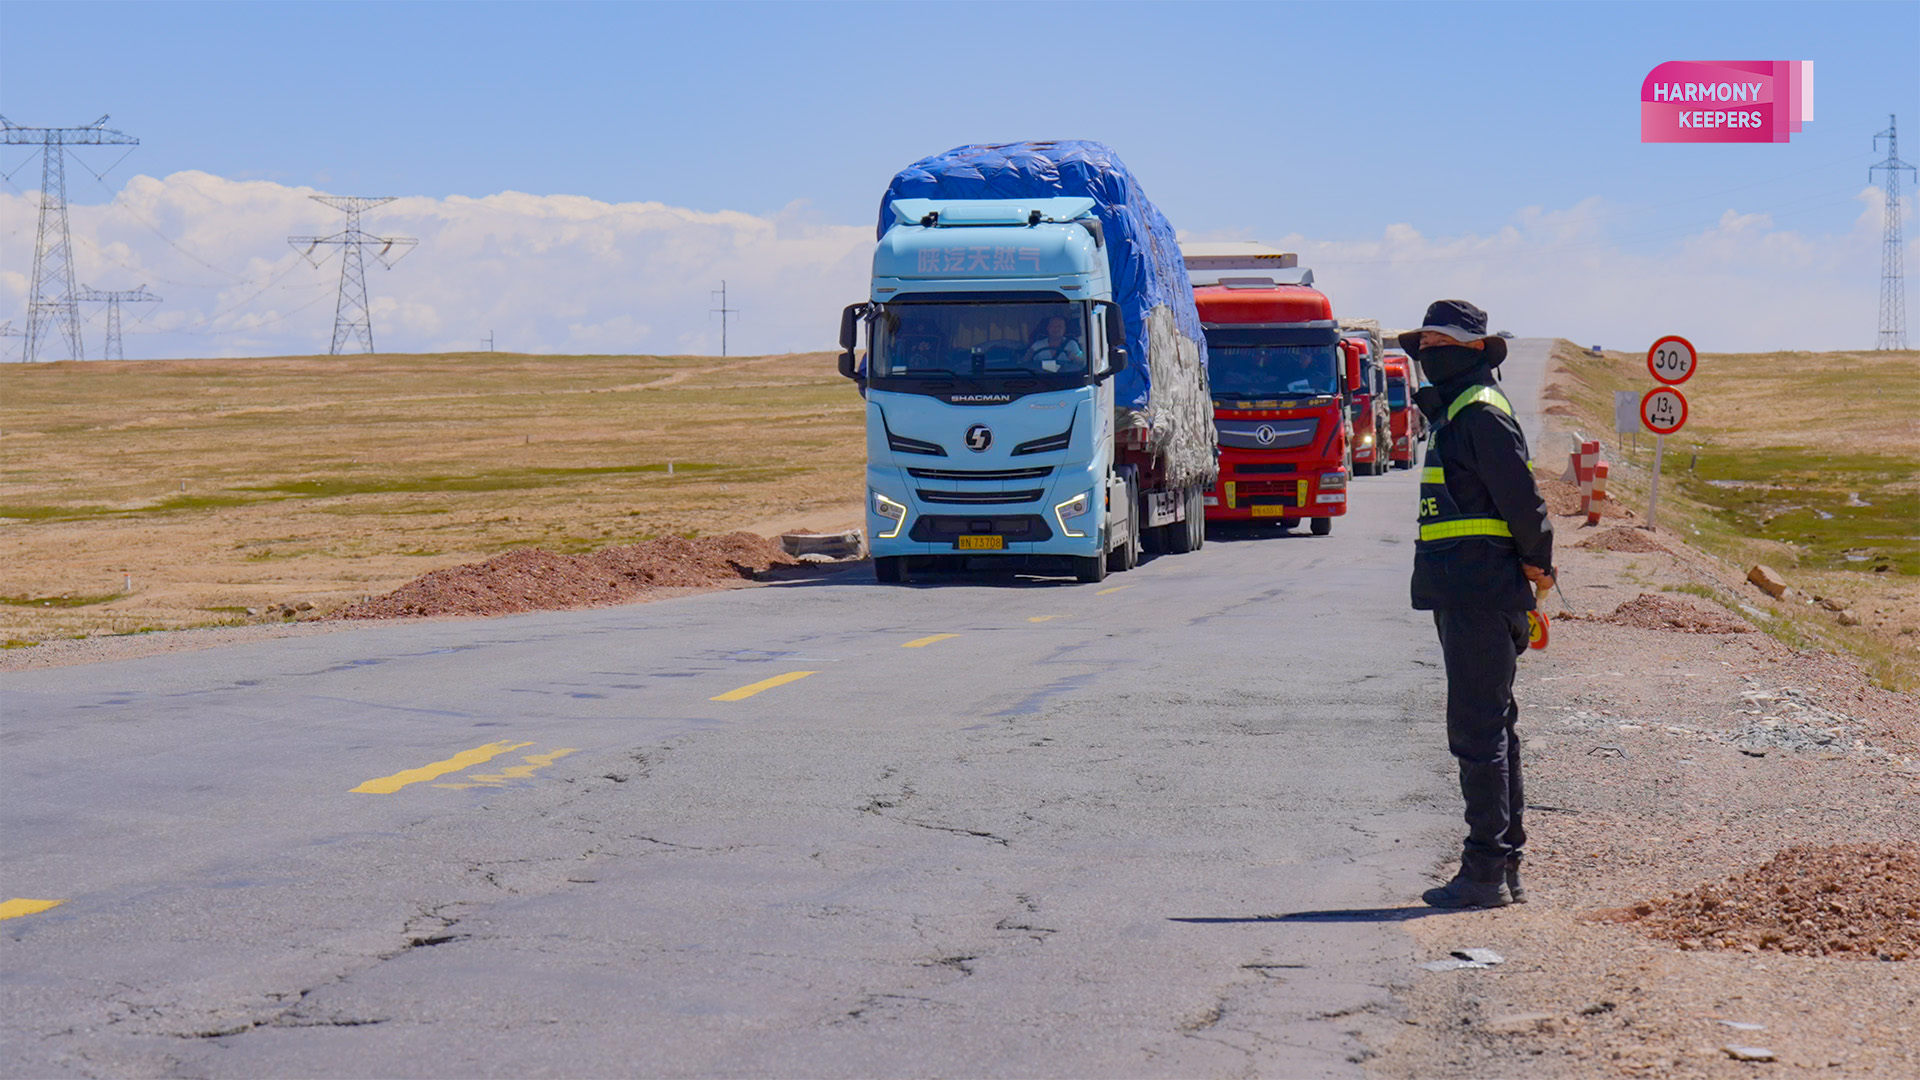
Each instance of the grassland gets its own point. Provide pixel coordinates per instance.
(1809, 462)
(221, 485)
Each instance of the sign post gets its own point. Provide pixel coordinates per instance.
(1663, 409)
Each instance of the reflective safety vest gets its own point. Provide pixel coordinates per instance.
(1440, 517)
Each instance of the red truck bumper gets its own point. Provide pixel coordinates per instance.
(1271, 498)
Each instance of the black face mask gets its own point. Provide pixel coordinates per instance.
(1445, 363)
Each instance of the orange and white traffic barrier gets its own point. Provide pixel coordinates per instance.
(1599, 493)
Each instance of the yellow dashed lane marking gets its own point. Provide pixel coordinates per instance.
(513, 772)
(1115, 588)
(13, 909)
(465, 759)
(923, 642)
(751, 689)
(1043, 618)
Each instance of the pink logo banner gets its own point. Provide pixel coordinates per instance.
(1700, 101)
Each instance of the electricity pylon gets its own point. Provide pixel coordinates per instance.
(52, 307)
(7, 330)
(725, 313)
(113, 300)
(1893, 285)
(351, 319)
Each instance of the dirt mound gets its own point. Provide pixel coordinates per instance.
(1561, 410)
(1622, 538)
(1554, 392)
(1650, 612)
(1854, 901)
(534, 579)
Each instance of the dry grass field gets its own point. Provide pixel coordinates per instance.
(1808, 462)
(221, 485)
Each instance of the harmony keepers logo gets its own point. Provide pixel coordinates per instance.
(1698, 101)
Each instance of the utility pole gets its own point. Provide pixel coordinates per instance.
(489, 341)
(1893, 285)
(724, 311)
(351, 319)
(113, 300)
(52, 307)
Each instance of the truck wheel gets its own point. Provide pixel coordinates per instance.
(1197, 515)
(1090, 570)
(1322, 526)
(1180, 533)
(890, 569)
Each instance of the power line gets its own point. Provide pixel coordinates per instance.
(113, 300)
(52, 306)
(352, 321)
(1893, 285)
(724, 311)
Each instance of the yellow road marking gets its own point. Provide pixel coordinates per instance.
(13, 909)
(514, 772)
(1115, 588)
(465, 759)
(751, 689)
(923, 642)
(1043, 618)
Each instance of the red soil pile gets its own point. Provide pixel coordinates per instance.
(1650, 612)
(1622, 538)
(1853, 901)
(534, 579)
(1562, 498)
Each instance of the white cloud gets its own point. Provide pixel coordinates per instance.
(557, 273)
(564, 273)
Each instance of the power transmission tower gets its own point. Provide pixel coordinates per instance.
(7, 331)
(52, 308)
(724, 311)
(113, 300)
(351, 319)
(1893, 285)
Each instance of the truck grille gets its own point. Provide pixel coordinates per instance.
(980, 498)
(986, 475)
(1017, 528)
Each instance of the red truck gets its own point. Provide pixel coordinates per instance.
(1368, 398)
(1409, 427)
(1279, 376)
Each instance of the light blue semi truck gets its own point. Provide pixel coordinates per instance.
(1035, 371)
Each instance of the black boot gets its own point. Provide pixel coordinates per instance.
(1465, 891)
(1514, 888)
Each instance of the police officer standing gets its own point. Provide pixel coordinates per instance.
(1485, 546)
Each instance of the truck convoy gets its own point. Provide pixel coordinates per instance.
(1035, 371)
(1409, 427)
(1368, 397)
(1280, 401)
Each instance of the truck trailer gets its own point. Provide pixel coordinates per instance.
(1035, 373)
(1280, 377)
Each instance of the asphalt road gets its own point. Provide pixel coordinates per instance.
(1167, 825)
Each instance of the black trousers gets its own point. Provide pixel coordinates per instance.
(1482, 650)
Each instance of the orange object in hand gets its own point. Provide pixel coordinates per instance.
(1537, 622)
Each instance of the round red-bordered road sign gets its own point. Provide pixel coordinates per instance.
(1672, 360)
(1663, 410)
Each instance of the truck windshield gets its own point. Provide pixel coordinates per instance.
(1257, 371)
(1396, 393)
(991, 341)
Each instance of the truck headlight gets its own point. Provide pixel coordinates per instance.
(892, 511)
(1078, 506)
(1333, 481)
(1365, 440)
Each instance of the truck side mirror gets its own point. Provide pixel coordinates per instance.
(1354, 384)
(1117, 358)
(850, 338)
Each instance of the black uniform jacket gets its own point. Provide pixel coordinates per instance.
(1488, 474)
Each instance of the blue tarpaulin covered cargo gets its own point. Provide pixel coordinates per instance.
(1166, 385)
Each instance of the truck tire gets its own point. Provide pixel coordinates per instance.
(1198, 515)
(1322, 526)
(1090, 570)
(1180, 533)
(890, 569)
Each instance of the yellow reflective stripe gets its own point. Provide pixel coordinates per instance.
(1448, 530)
(1486, 395)
(1433, 474)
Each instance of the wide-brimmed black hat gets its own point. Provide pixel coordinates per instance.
(1460, 321)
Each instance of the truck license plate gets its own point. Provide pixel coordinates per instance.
(981, 543)
(1269, 511)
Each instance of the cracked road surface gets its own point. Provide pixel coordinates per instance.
(1166, 830)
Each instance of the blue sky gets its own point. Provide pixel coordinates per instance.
(1326, 121)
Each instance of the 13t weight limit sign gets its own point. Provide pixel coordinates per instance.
(1663, 410)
